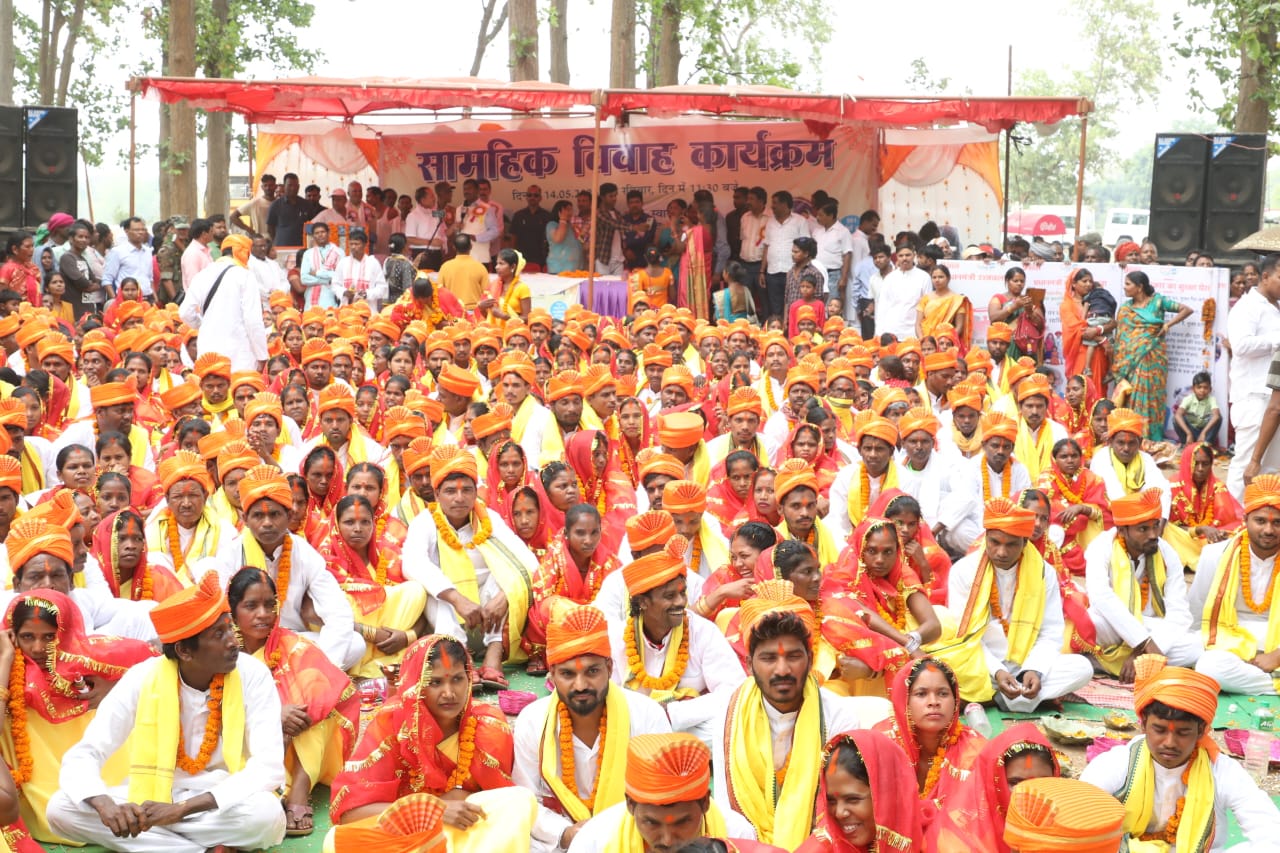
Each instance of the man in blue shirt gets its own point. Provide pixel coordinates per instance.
(131, 259)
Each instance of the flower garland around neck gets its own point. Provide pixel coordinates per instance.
(1246, 582)
(768, 392)
(1005, 478)
(1169, 834)
(997, 612)
(212, 731)
(594, 495)
(466, 752)
(695, 555)
(18, 720)
(939, 757)
(1064, 489)
(567, 770)
(175, 542)
(273, 662)
(897, 616)
(384, 558)
(449, 536)
(635, 666)
(283, 569)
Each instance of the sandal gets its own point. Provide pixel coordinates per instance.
(493, 679)
(299, 819)
(475, 678)
(537, 664)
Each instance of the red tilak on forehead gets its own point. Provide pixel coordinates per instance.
(781, 649)
(578, 665)
(445, 660)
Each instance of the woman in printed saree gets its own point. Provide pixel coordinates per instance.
(1079, 502)
(926, 724)
(388, 612)
(601, 483)
(945, 311)
(866, 802)
(805, 443)
(431, 737)
(975, 815)
(321, 707)
(1140, 356)
(57, 677)
(698, 241)
(1073, 408)
(325, 487)
(508, 474)
(120, 547)
(1016, 308)
(1201, 504)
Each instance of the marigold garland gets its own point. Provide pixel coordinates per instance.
(864, 496)
(635, 666)
(449, 536)
(1246, 566)
(996, 610)
(282, 571)
(1169, 834)
(768, 393)
(1005, 478)
(212, 731)
(175, 542)
(695, 556)
(466, 751)
(18, 719)
(1065, 490)
(380, 572)
(567, 770)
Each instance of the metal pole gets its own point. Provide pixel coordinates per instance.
(595, 190)
(1004, 243)
(1084, 136)
(88, 193)
(133, 151)
(253, 162)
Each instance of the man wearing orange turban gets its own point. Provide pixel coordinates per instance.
(857, 486)
(1242, 645)
(746, 414)
(1176, 786)
(1137, 595)
(492, 428)
(1011, 626)
(992, 474)
(1037, 433)
(776, 356)
(339, 432)
(564, 396)
(115, 414)
(801, 385)
(229, 795)
(1051, 814)
(680, 434)
(999, 337)
(939, 376)
(1123, 465)
(455, 389)
(601, 712)
(224, 305)
(686, 500)
(647, 533)
(40, 554)
(533, 426)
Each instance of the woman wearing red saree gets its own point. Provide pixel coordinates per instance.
(926, 724)
(695, 263)
(1072, 410)
(636, 435)
(1201, 503)
(56, 679)
(805, 442)
(508, 474)
(1081, 637)
(431, 737)
(763, 504)
(528, 520)
(575, 565)
(974, 817)
(601, 484)
(388, 613)
(1079, 502)
(120, 547)
(325, 487)
(727, 499)
(1081, 358)
(370, 481)
(922, 553)
(320, 705)
(115, 452)
(728, 585)
(865, 801)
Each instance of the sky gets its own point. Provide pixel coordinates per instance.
(970, 49)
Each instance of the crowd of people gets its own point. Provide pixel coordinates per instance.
(774, 538)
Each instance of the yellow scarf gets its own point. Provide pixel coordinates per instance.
(856, 511)
(218, 410)
(782, 816)
(1132, 476)
(153, 751)
(1027, 606)
(628, 839)
(970, 446)
(409, 506)
(204, 542)
(1195, 830)
(220, 506)
(843, 410)
(32, 472)
(514, 578)
(711, 545)
(612, 766)
(700, 466)
(1035, 452)
(824, 543)
(520, 421)
(1221, 625)
(140, 439)
(1112, 658)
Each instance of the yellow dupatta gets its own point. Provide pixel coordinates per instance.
(139, 440)
(153, 748)
(859, 503)
(611, 770)
(1112, 658)
(220, 506)
(32, 472)
(628, 839)
(823, 542)
(1035, 452)
(520, 421)
(711, 544)
(204, 541)
(1195, 829)
(970, 446)
(782, 814)
(1133, 477)
(1028, 604)
(358, 451)
(514, 578)
(1221, 623)
(408, 507)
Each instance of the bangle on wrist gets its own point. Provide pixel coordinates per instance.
(410, 637)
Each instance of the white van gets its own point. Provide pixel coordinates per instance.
(1130, 222)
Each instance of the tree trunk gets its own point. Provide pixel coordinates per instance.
(217, 140)
(7, 57)
(666, 71)
(68, 53)
(622, 69)
(165, 183)
(1253, 115)
(181, 153)
(559, 41)
(523, 39)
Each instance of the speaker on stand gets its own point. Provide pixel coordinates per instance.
(53, 153)
(1178, 194)
(1235, 191)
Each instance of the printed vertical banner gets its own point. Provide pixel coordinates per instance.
(1189, 351)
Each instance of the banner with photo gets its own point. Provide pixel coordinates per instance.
(1189, 349)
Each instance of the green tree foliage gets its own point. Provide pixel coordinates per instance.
(1235, 41)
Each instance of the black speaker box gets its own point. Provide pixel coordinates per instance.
(53, 145)
(1178, 193)
(10, 168)
(1235, 190)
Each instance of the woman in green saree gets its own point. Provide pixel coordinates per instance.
(1139, 356)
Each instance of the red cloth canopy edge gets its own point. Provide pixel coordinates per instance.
(263, 101)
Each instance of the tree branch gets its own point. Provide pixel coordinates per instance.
(486, 35)
(68, 52)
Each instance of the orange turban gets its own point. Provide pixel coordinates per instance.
(876, 427)
(909, 345)
(9, 325)
(661, 463)
(57, 346)
(402, 421)
(280, 299)
(770, 596)
(1126, 420)
(29, 537)
(438, 342)
(576, 631)
(1006, 516)
(1263, 491)
(96, 341)
(840, 367)
(433, 410)
(968, 396)
(979, 359)
(940, 360)
(566, 383)
(918, 419)
(181, 394)
(114, 393)
(540, 317)
(498, 418)
(264, 403)
(792, 474)
(60, 510)
(1138, 507)
(627, 386)
(669, 336)
(654, 354)
(13, 412)
(1021, 369)
(265, 482)
(337, 397)
(10, 473)
(449, 460)
(237, 246)
(384, 327)
(668, 768)
(1052, 814)
(516, 330)
(945, 332)
(412, 824)
(684, 496)
(1035, 385)
(680, 376)
(745, 400)
(521, 365)
(316, 349)
(252, 378)
(213, 364)
(885, 396)
(211, 445)
(597, 378)
(680, 429)
(860, 357)
(417, 455)
(32, 333)
(191, 610)
(649, 529)
(185, 465)
(574, 335)
(454, 379)
(1178, 687)
(997, 425)
(1124, 250)
(1000, 332)
(312, 316)
(806, 312)
(236, 456)
(800, 376)
(653, 570)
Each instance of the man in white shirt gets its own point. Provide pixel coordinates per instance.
(230, 319)
(358, 276)
(256, 209)
(340, 433)
(532, 421)
(480, 220)
(898, 304)
(994, 473)
(1125, 429)
(754, 222)
(782, 229)
(924, 473)
(337, 213)
(835, 252)
(425, 227)
(266, 273)
(359, 213)
(227, 798)
(1253, 328)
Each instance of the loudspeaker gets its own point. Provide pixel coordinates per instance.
(1177, 193)
(10, 168)
(1235, 189)
(53, 146)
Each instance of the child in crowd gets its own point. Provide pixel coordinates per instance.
(654, 283)
(1197, 417)
(809, 284)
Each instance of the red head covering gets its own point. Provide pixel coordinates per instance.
(900, 692)
(893, 805)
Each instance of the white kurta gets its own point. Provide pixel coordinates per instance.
(232, 326)
(1232, 673)
(1153, 477)
(930, 486)
(961, 512)
(596, 833)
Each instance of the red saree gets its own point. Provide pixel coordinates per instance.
(357, 573)
(825, 465)
(559, 579)
(1080, 631)
(727, 507)
(1075, 418)
(1078, 358)
(149, 583)
(1086, 489)
(1210, 505)
(305, 676)
(936, 563)
(609, 491)
(320, 509)
(497, 496)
